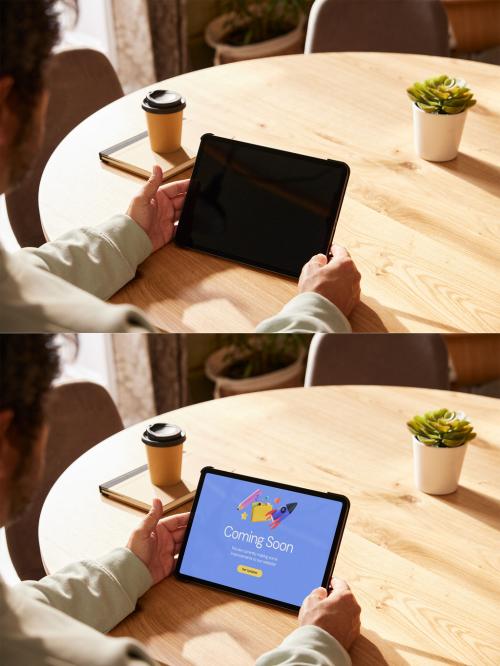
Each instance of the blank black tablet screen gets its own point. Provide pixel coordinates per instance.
(260, 206)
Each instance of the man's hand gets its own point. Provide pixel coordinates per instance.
(338, 280)
(157, 540)
(156, 209)
(337, 613)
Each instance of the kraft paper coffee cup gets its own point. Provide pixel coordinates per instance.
(164, 443)
(164, 118)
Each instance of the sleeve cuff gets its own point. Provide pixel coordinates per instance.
(307, 645)
(128, 570)
(127, 238)
(307, 313)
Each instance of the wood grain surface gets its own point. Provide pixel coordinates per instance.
(424, 235)
(425, 569)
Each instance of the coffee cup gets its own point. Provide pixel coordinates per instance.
(164, 118)
(164, 443)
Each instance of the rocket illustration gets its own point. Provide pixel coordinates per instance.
(251, 498)
(279, 515)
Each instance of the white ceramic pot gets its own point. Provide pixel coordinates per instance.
(437, 469)
(288, 377)
(289, 43)
(437, 136)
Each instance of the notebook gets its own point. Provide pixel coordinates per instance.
(135, 489)
(135, 156)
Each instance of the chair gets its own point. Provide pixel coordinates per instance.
(395, 359)
(80, 415)
(402, 26)
(80, 81)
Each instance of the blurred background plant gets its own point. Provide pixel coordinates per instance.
(253, 21)
(442, 95)
(254, 355)
(442, 428)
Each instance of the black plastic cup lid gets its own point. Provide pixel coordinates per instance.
(163, 434)
(163, 101)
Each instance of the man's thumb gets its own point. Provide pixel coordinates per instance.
(319, 593)
(154, 182)
(153, 516)
(319, 259)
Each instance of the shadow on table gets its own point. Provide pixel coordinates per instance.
(185, 618)
(365, 318)
(477, 172)
(154, 284)
(366, 653)
(173, 612)
(477, 505)
(430, 658)
(364, 314)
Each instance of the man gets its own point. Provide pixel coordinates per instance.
(62, 286)
(61, 619)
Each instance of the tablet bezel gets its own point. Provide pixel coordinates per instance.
(334, 548)
(334, 209)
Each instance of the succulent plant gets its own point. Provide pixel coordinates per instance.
(442, 428)
(442, 95)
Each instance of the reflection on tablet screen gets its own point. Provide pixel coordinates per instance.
(260, 206)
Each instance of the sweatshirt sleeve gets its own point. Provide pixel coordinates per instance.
(99, 260)
(307, 646)
(307, 313)
(100, 593)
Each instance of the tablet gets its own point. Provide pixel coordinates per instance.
(260, 206)
(259, 539)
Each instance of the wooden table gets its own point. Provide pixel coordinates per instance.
(425, 236)
(425, 569)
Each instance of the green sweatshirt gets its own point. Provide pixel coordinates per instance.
(62, 619)
(62, 286)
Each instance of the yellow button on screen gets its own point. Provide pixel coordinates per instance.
(249, 571)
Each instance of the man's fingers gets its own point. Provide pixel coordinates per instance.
(175, 188)
(178, 201)
(175, 522)
(179, 534)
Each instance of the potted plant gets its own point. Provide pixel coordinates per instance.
(439, 445)
(248, 363)
(251, 29)
(439, 110)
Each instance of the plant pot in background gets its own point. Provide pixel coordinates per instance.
(436, 468)
(437, 136)
(290, 42)
(290, 376)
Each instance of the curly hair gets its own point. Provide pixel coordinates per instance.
(30, 29)
(28, 365)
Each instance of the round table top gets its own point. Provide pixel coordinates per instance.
(424, 235)
(424, 568)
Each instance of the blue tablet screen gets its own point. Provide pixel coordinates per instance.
(261, 539)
